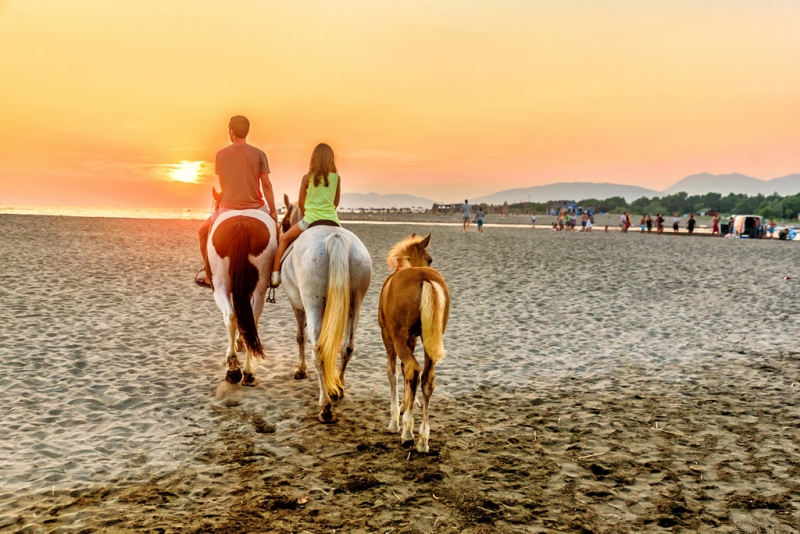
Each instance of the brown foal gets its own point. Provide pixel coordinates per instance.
(414, 303)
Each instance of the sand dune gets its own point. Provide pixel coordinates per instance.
(595, 383)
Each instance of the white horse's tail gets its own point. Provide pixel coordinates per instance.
(432, 304)
(337, 309)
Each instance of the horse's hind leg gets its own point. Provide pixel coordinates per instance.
(234, 374)
(300, 372)
(428, 376)
(350, 334)
(411, 375)
(391, 371)
(249, 378)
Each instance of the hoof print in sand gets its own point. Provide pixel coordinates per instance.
(262, 427)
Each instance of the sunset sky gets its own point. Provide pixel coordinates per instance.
(101, 101)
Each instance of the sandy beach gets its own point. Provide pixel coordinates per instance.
(599, 382)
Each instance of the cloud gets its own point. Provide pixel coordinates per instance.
(136, 170)
(392, 155)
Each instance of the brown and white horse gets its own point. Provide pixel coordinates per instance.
(414, 303)
(241, 249)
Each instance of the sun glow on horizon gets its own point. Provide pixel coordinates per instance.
(186, 171)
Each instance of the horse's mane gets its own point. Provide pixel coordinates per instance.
(398, 256)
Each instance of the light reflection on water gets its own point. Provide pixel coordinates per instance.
(114, 212)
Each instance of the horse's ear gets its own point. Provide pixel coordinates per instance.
(286, 201)
(413, 234)
(425, 242)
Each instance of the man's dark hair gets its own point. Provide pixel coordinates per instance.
(240, 126)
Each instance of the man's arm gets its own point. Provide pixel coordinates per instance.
(269, 195)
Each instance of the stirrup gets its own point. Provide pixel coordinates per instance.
(271, 295)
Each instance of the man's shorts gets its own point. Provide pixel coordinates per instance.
(466, 219)
(480, 222)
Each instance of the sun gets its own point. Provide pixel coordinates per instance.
(186, 171)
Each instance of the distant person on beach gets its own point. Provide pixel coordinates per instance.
(533, 219)
(466, 213)
(584, 217)
(643, 224)
(731, 226)
(771, 227)
(623, 223)
(676, 223)
(715, 225)
(318, 199)
(479, 219)
(589, 224)
(691, 223)
(659, 223)
(560, 222)
(649, 223)
(243, 172)
(606, 228)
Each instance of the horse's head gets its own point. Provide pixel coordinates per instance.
(292, 215)
(410, 252)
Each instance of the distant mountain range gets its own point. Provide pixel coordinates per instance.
(696, 184)
(566, 191)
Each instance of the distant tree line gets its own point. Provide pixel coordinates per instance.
(769, 206)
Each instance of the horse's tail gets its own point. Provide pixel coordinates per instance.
(432, 304)
(244, 278)
(337, 309)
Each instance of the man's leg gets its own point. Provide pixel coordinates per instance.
(202, 237)
(286, 239)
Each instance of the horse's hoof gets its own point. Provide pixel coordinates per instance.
(422, 447)
(394, 427)
(249, 379)
(233, 377)
(299, 375)
(327, 416)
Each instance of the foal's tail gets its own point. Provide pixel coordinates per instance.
(337, 309)
(432, 308)
(244, 278)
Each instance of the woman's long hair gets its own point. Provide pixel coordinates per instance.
(321, 164)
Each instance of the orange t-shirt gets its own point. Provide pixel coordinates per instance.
(239, 167)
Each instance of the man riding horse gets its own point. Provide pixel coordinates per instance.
(243, 172)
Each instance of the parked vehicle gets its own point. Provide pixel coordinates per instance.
(747, 225)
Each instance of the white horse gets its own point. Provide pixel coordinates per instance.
(241, 248)
(325, 278)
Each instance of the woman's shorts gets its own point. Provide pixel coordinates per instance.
(302, 225)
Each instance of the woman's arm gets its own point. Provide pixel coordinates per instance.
(338, 191)
(301, 198)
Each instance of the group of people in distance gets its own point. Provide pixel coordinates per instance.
(567, 221)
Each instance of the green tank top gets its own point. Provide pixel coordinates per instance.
(319, 200)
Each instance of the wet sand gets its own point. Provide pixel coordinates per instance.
(593, 383)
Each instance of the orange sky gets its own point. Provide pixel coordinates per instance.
(100, 100)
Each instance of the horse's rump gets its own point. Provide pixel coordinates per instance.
(237, 238)
(416, 299)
